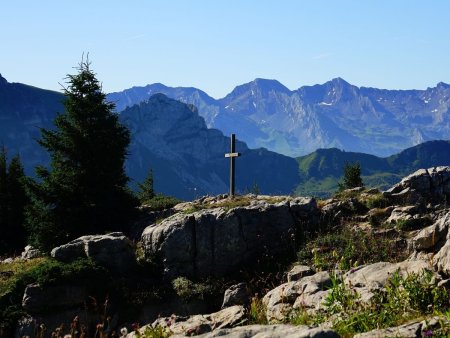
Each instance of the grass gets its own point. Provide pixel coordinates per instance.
(345, 247)
(231, 203)
(257, 312)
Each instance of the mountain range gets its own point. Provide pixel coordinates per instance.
(264, 113)
(175, 139)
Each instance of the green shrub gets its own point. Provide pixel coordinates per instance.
(412, 223)
(161, 202)
(377, 201)
(188, 290)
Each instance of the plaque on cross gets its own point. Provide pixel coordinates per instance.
(232, 155)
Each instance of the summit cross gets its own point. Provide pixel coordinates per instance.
(232, 155)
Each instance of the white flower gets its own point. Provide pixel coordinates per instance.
(123, 331)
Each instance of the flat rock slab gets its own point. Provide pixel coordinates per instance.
(269, 331)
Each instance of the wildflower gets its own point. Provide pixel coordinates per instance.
(135, 326)
(123, 332)
(428, 333)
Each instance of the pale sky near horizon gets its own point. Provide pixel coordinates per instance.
(217, 44)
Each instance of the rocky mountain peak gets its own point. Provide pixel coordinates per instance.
(2, 80)
(257, 87)
(443, 85)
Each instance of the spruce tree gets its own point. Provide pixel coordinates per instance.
(3, 201)
(85, 190)
(18, 200)
(352, 177)
(13, 200)
(146, 191)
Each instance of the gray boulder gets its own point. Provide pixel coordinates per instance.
(215, 242)
(307, 293)
(270, 331)
(29, 253)
(113, 251)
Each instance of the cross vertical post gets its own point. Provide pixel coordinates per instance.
(232, 154)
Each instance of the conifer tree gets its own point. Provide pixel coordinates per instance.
(18, 200)
(13, 200)
(3, 200)
(85, 191)
(146, 191)
(352, 177)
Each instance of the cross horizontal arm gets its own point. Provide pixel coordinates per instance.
(233, 155)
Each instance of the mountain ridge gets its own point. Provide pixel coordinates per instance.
(334, 114)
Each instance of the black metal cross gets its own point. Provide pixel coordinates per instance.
(232, 154)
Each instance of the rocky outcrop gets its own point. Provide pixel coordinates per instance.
(113, 251)
(424, 185)
(217, 241)
(270, 331)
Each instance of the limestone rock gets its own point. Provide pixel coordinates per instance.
(29, 253)
(215, 242)
(113, 251)
(298, 272)
(431, 184)
(37, 299)
(198, 324)
(237, 294)
(270, 331)
(307, 293)
(429, 236)
(369, 278)
(402, 213)
(409, 330)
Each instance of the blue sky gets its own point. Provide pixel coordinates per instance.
(215, 45)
